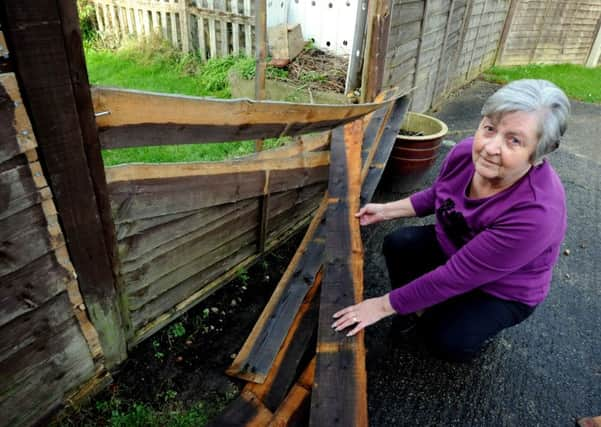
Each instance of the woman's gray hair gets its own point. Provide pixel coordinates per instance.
(534, 96)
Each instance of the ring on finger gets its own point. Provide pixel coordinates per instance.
(355, 320)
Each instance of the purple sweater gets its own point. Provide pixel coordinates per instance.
(505, 244)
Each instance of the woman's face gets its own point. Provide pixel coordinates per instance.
(503, 147)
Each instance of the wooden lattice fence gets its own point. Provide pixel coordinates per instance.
(213, 28)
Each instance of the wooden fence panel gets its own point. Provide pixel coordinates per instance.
(550, 31)
(47, 346)
(212, 28)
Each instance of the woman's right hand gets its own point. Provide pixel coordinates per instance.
(371, 214)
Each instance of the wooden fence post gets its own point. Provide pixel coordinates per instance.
(46, 44)
(378, 29)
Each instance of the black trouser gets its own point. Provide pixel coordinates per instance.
(457, 328)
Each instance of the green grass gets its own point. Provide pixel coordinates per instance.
(185, 153)
(117, 413)
(578, 82)
(154, 66)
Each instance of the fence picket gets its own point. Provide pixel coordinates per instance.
(248, 45)
(202, 45)
(99, 17)
(212, 34)
(235, 31)
(174, 40)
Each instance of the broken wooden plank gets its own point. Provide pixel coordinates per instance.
(282, 375)
(294, 349)
(339, 394)
(370, 177)
(138, 118)
(256, 356)
(294, 410)
(258, 352)
(246, 410)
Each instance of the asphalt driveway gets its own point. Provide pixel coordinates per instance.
(543, 372)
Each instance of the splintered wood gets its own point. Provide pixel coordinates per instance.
(285, 337)
(340, 388)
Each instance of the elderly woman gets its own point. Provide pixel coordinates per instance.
(500, 220)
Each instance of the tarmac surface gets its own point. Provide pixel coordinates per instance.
(545, 371)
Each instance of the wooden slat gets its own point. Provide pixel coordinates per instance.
(46, 39)
(150, 198)
(294, 410)
(284, 371)
(235, 30)
(247, 410)
(151, 327)
(28, 288)
(371, 176)
(212, 33)
(142, 118)
(42, 373)
(165, 171)
(377, 38)
(339, 394)
(295, 348)
(255, 359)
(248, 30)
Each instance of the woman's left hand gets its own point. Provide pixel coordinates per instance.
(363, 314)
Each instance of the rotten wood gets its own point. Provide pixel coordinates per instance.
(247, 410)
(339, 394)
(285, 369)
(41, 52)
(294, 410)
(142, 118)
(255, 359)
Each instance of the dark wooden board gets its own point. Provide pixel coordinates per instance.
(35, 32)
(246, 410)
(382, 153)
(339, 395)
(261, 347)
(35, 380)
(17, 191)
(286, 367)
(30, 287)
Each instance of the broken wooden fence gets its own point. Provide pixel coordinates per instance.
(185, 229)
(284, 338)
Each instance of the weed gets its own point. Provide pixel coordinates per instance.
(243, 276)
(177, 330)
(158, 354)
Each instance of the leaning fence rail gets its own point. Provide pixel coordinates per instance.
(212, 28)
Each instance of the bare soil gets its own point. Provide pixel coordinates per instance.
(184, 363)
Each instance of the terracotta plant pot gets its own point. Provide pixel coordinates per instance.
(417, 153)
